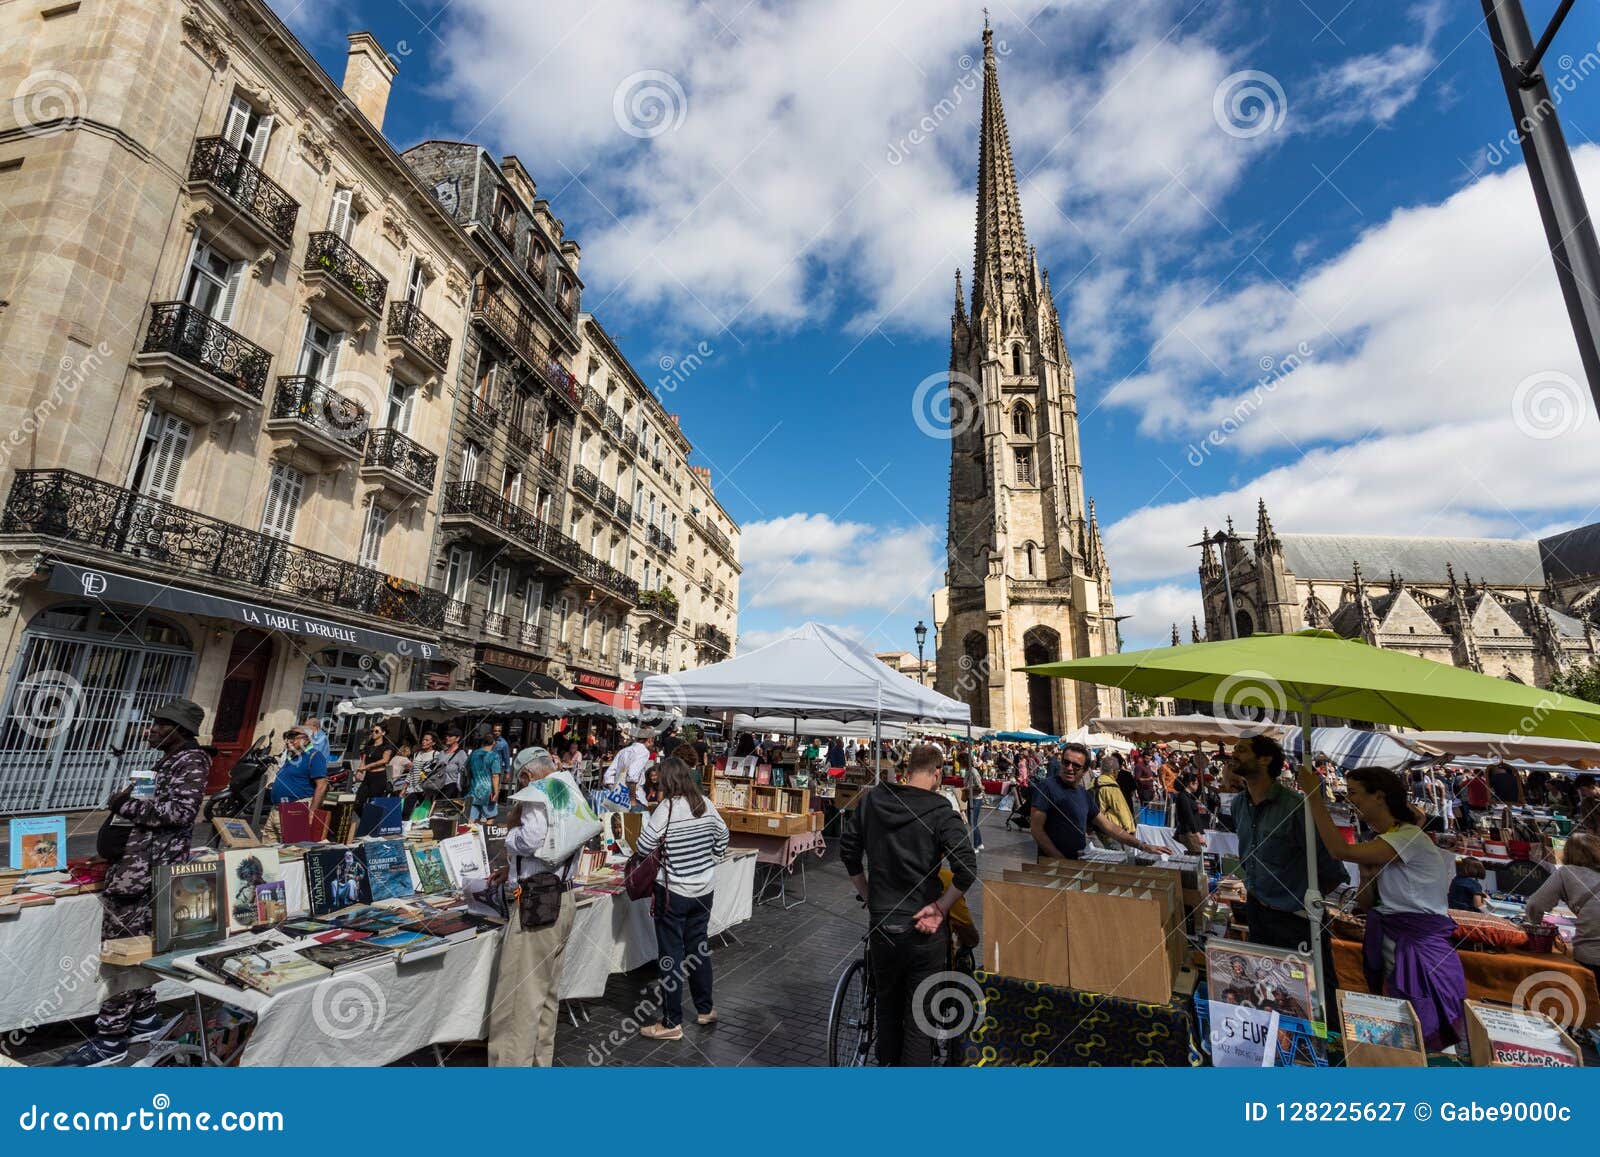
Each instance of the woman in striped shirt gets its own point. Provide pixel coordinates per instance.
(694, 838)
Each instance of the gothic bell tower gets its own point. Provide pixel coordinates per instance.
(1026, 577)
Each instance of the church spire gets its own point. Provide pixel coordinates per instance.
(961, 305)
(1002, 247)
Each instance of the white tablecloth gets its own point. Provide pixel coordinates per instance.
(370, 1016)
(615, 934)
(50, 965)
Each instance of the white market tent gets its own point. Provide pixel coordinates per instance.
(439, 705)
(792, 725)
(813, 672)
(1526, 749)
(1098, 740)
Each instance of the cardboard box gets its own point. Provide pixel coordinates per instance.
(1360, 1013)
(1502, 1037)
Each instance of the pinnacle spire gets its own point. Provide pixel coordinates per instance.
(1175, 640)
(1194, 629)
(1002, 246)
(961, 305)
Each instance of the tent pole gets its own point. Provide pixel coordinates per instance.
(1314, 904)
(877, 746)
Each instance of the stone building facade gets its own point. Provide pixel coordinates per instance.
(231, 317)
(1027, 580)
(1518, 609)
(632, 481)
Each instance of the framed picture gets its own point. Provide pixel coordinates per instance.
(235, 833)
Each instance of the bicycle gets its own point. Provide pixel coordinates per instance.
(852, 1016)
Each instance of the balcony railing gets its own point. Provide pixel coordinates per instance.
(592, 400)
(505, 228)
(306, 401)
(606, 499)
(545, 461)
(502, 316)
(482, 409)
(63, 506)
(625, 658)
(534, 637)
(519, 438)
(585, 482)
(561, 381)
(630, 443)
(611, 423)
(219, 164)
(457, 613)
(180, 329)
(719, 541)
(331, 254)
(416, 329)
(663, 604)
(496, 624)
(393, 451)
(478, 501)
(709, 636)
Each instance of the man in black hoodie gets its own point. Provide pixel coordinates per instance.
(907, 831)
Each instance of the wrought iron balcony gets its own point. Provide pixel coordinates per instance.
(705, 585)
(496, 624)
(503, 317)
(179, 330)
(708, 636)
(606, 499)
(658, 539)
(625, 658)
(390, 453)
(505, 230)
(630, 444)
(611, 423)
(320, 414)
(474, 500)
(65, 507)
(482, 409)
(259, 202)
(661, 604)
(519, 438)
(718, 541)
(416, 334)
(534, 637)
(585, 482)
(592, 401)
(458, 613)
(545, 461)
(561, 382)
(331, 262)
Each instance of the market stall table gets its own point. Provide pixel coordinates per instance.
(780, 855)
(51, 959)
(1506, 977)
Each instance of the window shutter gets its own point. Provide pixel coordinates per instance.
(258, 143)
(230, 293)
(170, 438)
(330, 366)
(285, 488)
(372, 537)
(339, 214)
(239, 114)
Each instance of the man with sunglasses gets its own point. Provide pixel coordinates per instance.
(1064, 811)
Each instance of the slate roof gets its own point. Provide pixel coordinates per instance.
(1572, 554)
(1499, 562)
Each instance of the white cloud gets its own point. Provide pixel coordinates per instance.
(1377, 85)
(810, 565)
(753, 639)
(1153, 610)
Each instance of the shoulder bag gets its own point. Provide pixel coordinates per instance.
(643, 869)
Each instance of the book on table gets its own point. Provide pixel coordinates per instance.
(272, 902)
(209, 965)
(432, 875)
(274, 971)
(409, 945)
(336, 878)
(344, 954)
(191, 905)
(388, 870)
(244, 869)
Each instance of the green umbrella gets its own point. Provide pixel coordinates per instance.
(1319, 672)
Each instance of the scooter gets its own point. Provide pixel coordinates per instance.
(247, 784)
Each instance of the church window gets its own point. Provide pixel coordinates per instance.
(1024, 467)
(1021, 420)
(1016, 360)
(1028, 552)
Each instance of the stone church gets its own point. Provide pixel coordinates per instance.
(1027, 579)
(1517, 609)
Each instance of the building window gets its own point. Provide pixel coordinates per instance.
(162, 450)
(286, 487)
(319, 353)
(247, 130)
(511, 487)
(372, 535)
(563, 612)
(499, 588)
(342, 215)
(1024, 466)
(1016, 360)
(212, 283)
(1028, 554)
(1022, 420)
(458, 573)
(488, 375)
(397, 416)
(416, 282)
(471, 455)
(532, 604)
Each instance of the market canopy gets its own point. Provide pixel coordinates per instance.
(1348, 747)
(791, 725)
(812, 672)
(448, 704)
(1098, 740)
(1524, 749)
(1026, 735)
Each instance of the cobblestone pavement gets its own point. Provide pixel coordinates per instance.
(774, 980)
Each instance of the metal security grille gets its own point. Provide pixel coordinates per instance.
(74, 695)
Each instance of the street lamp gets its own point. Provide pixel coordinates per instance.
(1222, 540)
(922, 637)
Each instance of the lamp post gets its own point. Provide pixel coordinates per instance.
(922, 637)
(1222, 540)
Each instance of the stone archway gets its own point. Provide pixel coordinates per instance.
(972, 680)
(1041, 645)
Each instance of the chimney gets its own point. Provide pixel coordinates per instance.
(368, 73)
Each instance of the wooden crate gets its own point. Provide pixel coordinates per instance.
(767, 823)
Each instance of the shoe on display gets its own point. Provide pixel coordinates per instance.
(150, 1026)
(95, 1053)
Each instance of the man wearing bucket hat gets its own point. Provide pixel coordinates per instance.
(159, 828)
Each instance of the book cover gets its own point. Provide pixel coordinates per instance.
(208, 965)
(381, 817)
(39, 843)
(462, 857)
(494, 845)
(412, 946)
(334, 935)
(484, 898)
(272, 902)
(1379, 1020)
(343, 954)
(245, 869)
(1259, 977)
(191, 908)
(306, 927)
(432, 875)
(388, 869)
(275, 971)
(336, 878)
(450, 927)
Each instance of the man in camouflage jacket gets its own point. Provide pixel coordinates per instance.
(162, 833)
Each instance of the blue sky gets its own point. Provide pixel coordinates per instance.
(1294, 251)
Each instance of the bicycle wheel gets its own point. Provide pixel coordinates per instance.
(850, 1020)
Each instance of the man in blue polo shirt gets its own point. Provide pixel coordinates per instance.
(1064, 811)
(304, 774)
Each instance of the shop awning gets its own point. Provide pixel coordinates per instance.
(111, 587)
(528, 683)
(623, 699)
